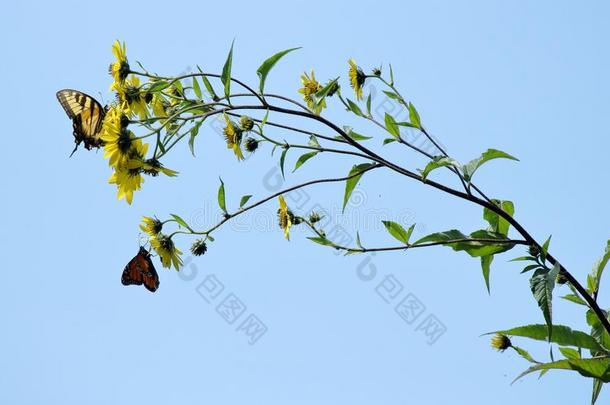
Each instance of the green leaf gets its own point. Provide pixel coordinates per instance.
(575, 299)
(208, 85)
(267, 65)
(264, 120)
(320, 240)
(569, 353)
(473, 248)
(530, 268)
(221, 196)
(353, 107)
(561, 335)
(391, 95)
(321, 94)
(389, 140)
(244, 200)
(368, 104)
(598, 331)
(441, 237)
(391, 76)
(496, 222)
(282, 160)
(471, 167)
(598, 269)
(542, 284)
(352, 134)
(194, 132)
(597, 387)
(437, 162)
(523, 258)
(181, 222)
(178, 85)
(406, 124)
(414, 116)
(358, 243)
(486, 268)
(545, 248)
(158, 86)
(196, 88)
(398, 232)
(351, 183)
(225, 77)
(390, 125)
(303, 158)
(523, 353)
(598, 367)
(313, 141)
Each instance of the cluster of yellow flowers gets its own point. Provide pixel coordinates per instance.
(125, 152)
(169, 254)
(311, 86)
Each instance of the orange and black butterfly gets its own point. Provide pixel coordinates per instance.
(140, 270)
(87, 116)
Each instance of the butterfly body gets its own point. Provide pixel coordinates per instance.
(140, 270)
(87, 116)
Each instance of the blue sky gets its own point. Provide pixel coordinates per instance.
(530, 78)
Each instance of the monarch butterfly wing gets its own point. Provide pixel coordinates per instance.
(151, 278)
(87, 116)
(132, 274)
(140, 270)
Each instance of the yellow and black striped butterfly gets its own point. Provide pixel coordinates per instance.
(87, 116)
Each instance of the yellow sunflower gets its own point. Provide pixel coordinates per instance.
(152, 226)
(310, 87)
(233, 137)
(167, 251)
(119, 69)
(285, 217)
(120, 144)
(500, 342)
(131, 98)
(153, 167)
(127, 181)
(356, 78)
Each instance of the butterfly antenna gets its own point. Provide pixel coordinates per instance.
(76, 147)
(102, 97)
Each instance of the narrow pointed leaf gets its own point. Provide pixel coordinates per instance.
(267, 65)
(597, 367)
(244, 200)
(320, 240)
(351, 183)
(597, 387)
(196, 88)
(208, 85)
(397, 231)
(303, 158)
(486, 268)
(282, 160)
(353, 107)
(598, 269)
(221, 196)
(471, 167)
(181, 222)
(438, 162)
(414, 116)
(391, 126)
(225, 77)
